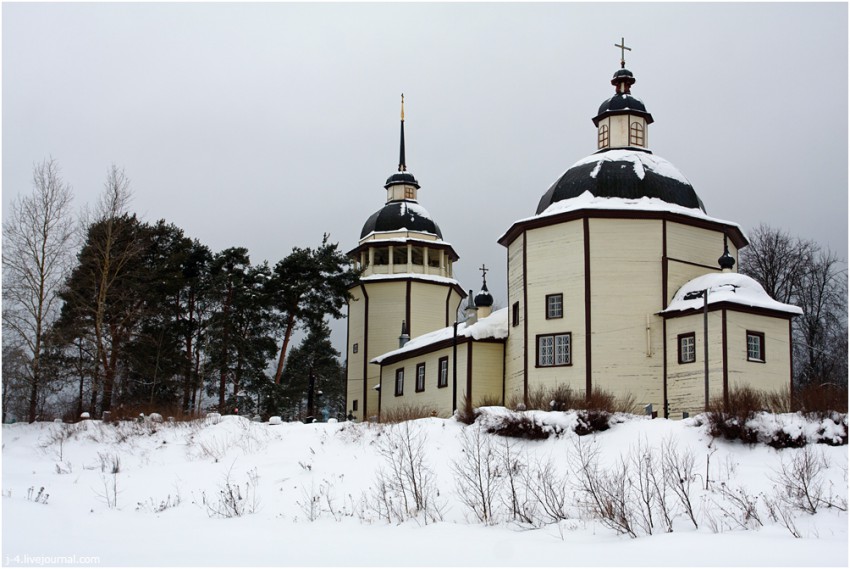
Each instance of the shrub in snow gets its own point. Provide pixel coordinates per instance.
(213, 418)
(154, 418)
(592, 421)
(275, 420)
(85, 415)
(519, 426)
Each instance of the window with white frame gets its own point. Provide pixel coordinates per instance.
(554, 306)
(554, 350)
(443, 372)
(399, 381)
(420, 377)
(755, 346)
(687, 348)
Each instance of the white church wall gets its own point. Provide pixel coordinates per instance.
(696, 245)
(514, 343)
(625, 276)
(487, 371)
(556, 266)
(428, 308)
(433, 397)
(686, 382)
(356, 318)
(774, 373)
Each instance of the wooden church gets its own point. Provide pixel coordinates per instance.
(614, 283)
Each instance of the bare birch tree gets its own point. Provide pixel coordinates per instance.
(37, 244)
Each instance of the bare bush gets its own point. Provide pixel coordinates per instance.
(604, 493)
(478, 474)
(516, 497)
(407, 489)
(678, 471)
(802, 482)
(232, 501)
(547, 487)
(737, 506)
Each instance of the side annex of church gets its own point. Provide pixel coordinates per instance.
(612, 284)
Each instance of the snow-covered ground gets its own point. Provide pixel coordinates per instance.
(158, 494)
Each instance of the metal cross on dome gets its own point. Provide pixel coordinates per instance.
(623, 48)
(484, 270)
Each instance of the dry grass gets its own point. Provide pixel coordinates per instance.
(407, 413)
(564, 398)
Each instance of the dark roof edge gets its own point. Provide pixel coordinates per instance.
(726, 305)
(518, 227)
(440, 345)
(392, 279)
(606, 114)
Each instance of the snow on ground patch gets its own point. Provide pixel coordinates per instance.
(314, 488)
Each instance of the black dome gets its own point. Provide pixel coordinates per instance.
(401, 178)
(401, 215)
(622, 102)
(483, 298)
(629, 174)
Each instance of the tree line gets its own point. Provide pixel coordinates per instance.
(109, 313)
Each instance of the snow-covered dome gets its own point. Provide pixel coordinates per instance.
(401, 215)
(623, 173)
(734, 288)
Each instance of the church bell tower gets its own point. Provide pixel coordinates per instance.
(406, 281)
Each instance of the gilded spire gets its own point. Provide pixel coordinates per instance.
(402, 167)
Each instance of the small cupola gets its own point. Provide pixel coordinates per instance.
(484, 300)
(622, 120)
(726, 261)
(402, 185)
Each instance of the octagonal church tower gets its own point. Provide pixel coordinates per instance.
(592, 275)
(406, 288)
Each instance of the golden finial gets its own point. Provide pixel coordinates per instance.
(402, 106)
(623, 48)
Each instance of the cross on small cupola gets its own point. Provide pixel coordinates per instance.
(623, 48)
(484, 299)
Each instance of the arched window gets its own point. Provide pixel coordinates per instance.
(603, 136)
(636, 134)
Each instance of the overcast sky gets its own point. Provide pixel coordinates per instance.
(266, 125)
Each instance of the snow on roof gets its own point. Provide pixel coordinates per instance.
(640, 162)
(418, 276)
(588, 201)
(494, 326)
(402, 240)
(727, 287)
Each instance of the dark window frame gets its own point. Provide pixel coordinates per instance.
(548, 311)
(515, 314)
(355, 347)
(354, 405)
(679, 338)
(441, 380)
(553, 336)
(399, 385)
(760, 336)
(420, 377)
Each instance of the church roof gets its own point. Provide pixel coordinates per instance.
(626, 174)
(493, 327)
(733, 288)
(401, 215)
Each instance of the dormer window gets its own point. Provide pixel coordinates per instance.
(603, 136)
(636, 134)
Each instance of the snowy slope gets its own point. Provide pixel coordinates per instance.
(170, 477)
